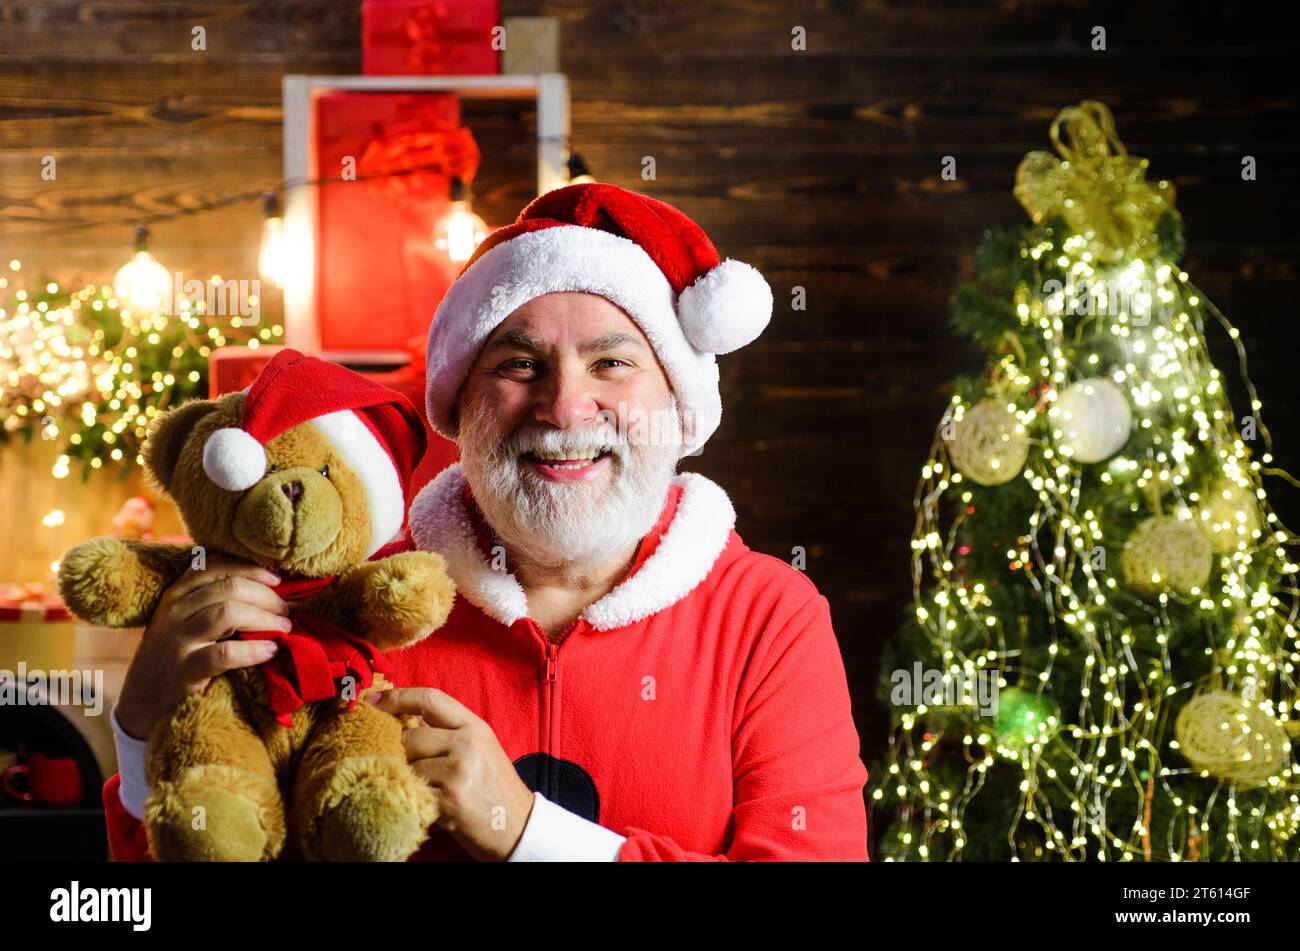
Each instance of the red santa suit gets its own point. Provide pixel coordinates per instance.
(699, 711)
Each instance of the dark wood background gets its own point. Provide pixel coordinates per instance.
(819, 167)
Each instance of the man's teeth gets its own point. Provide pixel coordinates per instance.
(569, 457)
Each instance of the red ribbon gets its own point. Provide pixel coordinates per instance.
(314, 657)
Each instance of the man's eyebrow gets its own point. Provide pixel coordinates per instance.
(516, 339)
(608, 341)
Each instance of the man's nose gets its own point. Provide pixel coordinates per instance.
(565, 401)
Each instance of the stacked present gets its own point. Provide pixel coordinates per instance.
(427, 37)
(36, 630)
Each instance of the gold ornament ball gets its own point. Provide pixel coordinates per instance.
(985, 445)
(1229, 514)
(1228, 737)
(1166, 553)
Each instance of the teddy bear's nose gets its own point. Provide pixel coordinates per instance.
(293, 490)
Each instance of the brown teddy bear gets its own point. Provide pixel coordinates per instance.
(305, 473)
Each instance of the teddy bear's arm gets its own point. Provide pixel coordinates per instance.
(117, 582)
(391, 602)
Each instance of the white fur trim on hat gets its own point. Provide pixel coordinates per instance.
(567, 258)
(727, 307)
(686, 553)
(365, 455)
(233, 459)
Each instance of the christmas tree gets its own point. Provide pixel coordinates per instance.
(83, 368)
(1100, 663)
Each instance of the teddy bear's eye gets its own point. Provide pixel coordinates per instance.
(325, 471)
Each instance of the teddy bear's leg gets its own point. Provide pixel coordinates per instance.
(213, 792)
(356, 798)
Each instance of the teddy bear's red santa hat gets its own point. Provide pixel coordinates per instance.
(375, 430)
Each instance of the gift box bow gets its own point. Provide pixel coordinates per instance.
(400, 159)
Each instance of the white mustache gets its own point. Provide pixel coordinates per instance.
(593, 440)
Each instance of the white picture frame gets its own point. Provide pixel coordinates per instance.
(550, 92)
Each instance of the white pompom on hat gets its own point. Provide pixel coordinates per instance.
(637, 252)
(375, 431)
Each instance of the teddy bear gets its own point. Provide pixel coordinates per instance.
(307, 473)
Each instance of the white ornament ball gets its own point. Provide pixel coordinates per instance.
(1166, 553)
(985, 445)
(1094, 419)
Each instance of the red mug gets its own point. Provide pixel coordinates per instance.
(50, 780)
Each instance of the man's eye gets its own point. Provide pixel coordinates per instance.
(611, 362)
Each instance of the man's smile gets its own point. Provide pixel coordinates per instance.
(568, 466)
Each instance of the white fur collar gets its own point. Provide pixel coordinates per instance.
(684, 557)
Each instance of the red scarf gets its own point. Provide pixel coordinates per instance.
(314, 656)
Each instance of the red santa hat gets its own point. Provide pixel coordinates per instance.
(637, 252)
(375, 430)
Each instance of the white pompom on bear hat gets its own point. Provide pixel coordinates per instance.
(637, 252)
(375, 431)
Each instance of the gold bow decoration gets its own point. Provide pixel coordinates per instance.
(1099, 190)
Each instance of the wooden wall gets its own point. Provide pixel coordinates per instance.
(819, 167)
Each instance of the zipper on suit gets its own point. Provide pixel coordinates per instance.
(547, 727)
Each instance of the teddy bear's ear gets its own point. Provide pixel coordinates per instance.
(169, 432)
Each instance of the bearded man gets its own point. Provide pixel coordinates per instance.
(621, 678)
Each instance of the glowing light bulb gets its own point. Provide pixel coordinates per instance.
(460, 230)
(578, 171)
(142, 283)
(273, 261)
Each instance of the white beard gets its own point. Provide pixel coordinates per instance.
(565, 524)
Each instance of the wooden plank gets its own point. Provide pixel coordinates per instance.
(134, 31)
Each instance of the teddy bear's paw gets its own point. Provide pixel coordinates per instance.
(215, 813)
(104, 582)
(411, 591)
(381, 813)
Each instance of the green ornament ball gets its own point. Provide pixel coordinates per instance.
(1024, 719)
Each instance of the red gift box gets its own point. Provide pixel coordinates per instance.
(32, 601)
(230, 369)
(379, 275)
(429, 38)
(36, 629)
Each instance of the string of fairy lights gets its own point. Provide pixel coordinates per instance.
(1115, 747)
(103, 360)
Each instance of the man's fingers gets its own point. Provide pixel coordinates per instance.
(426, 742)
(219, 566)
(437, 772)
(232, 588)
(216, 659)
(438, 709)
(225, 617)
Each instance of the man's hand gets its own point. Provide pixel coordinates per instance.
(483, 803)
(184, 646)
